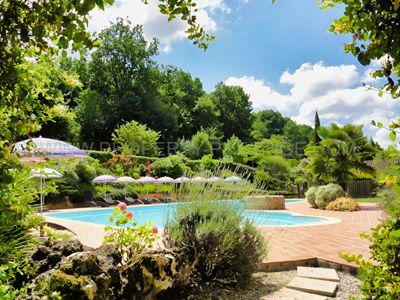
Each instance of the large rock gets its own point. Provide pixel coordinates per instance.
(265, 202)
(100, 274)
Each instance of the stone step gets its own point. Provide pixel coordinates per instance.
(314, 286)
(290, 294)
(318, 273)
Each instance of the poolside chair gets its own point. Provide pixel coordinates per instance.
(111, 201)
(101, 203)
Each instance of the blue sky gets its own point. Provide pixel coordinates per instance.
(282, 55)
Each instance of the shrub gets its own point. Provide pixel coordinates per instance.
(85, 172)
(217, 243)
(232, 149)
(311, 195)
(380, 273)
(343, 204)
(208, 163)
(199, 145)
(172, 166)
(327, 193)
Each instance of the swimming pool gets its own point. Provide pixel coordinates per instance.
(158, 213)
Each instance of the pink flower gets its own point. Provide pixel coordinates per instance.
(122, 206)
(129, 215)
(154, 229)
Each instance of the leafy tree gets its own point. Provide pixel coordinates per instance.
(205, 113)
(232, 150)
(137, 139)
(298, 137)
(374, 36)
(180, 90)
(199, 145)
(63, 126)
(267, 123)
(341, 152)
(234, 109)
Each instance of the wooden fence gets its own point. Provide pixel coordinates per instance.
(361, 188)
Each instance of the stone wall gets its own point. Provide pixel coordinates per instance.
(265, 202)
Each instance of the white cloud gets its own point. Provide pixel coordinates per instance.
(154, 23)
(335, 91)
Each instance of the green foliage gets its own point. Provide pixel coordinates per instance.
(137, 139)
(232, 150)
(341, 152)
(208, 163)
(213, 237)
(279, 172)
(343, 204)
(317, 126)
(328, 193)
(125, 233)
(311, 196)
(172, 166)
(234, 109)
(373, 36)
(199, 146)
(380, 273)
(85, 171)
(267, 123)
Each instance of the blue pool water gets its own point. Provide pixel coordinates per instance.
(157, 214)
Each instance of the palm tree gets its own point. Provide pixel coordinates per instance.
(341, 153)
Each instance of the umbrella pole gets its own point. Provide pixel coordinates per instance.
(41, 195)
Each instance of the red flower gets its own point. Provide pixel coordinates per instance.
(129, 215)
(122, 206)
(154, 229)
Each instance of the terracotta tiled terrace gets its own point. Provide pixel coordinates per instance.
(287, 243)
(322, 241)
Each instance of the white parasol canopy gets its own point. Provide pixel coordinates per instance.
(198, 179)
(182, 179)
(214, 179)
(165, 179)
(125, 179)
(233, 179)
(104, 179)
(44, 147)
(147, 179)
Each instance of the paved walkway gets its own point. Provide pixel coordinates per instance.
(323, 241)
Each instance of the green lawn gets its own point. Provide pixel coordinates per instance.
(370, 200)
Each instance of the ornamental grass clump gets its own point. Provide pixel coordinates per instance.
(209, 228)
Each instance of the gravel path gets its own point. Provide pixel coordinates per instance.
(348, 286)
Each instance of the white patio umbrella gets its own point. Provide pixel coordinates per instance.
(182, 179)
(44, 147)
(104, 179)
(233, 179)
(198, 179)
(126, 180)
(147, 179)
(214, 179)
(44, 173)
(165, 179)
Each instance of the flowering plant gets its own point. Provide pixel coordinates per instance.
(128, 236)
